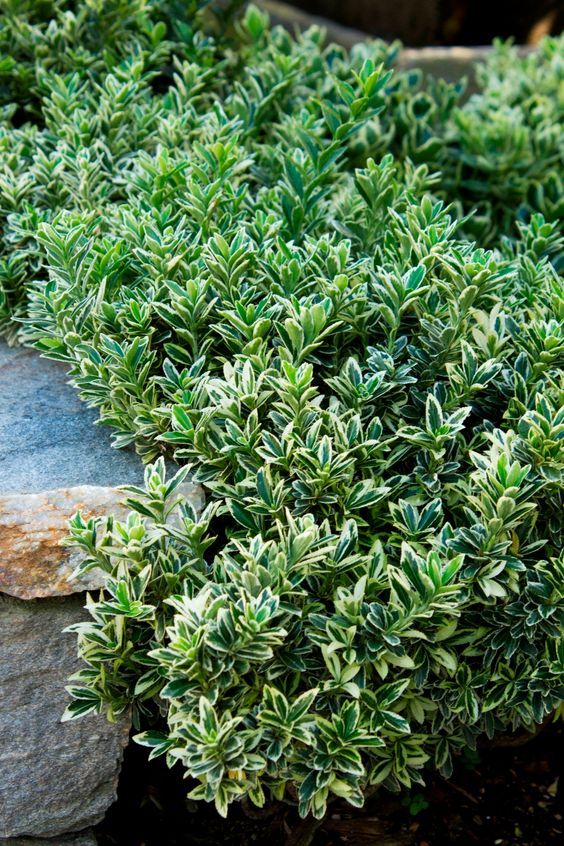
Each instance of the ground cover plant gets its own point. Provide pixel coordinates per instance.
(87, 88)
(255, 253)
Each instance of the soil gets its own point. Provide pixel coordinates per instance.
(498, 796)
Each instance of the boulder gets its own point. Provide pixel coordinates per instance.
(81, 838)
(57, 779)
(48, 437)
(33, 564)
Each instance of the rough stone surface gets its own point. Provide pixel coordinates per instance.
(47, 435)
(33, 563)
(82, 838)
(55, 777)
(53, 462)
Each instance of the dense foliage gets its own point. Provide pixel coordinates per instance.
(250, 263)
(87, 89)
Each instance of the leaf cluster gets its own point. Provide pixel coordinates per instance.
(262, 267)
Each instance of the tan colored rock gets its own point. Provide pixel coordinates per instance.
(33, 563)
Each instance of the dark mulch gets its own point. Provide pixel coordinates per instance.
(496, 797)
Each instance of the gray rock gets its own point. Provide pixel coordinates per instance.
(82, 838)
(53, 462)
(55, 777)
(47, 435)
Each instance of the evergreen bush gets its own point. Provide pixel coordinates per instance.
(257, 257)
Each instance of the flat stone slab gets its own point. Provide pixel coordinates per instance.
(33, 564)
(82, 838)
(47, 435)
(53, 462)
(55, 777)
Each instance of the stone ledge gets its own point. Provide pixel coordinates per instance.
(48, 437)
(450, 63)
(53, 463)
(81, 838)
(57, 778)
(33, 564)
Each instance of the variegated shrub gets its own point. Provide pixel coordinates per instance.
(258, 264)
